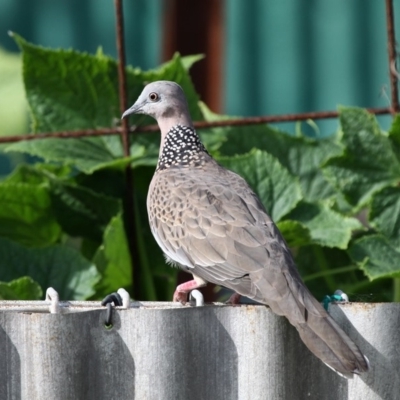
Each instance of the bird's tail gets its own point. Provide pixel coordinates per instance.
(323, 336)
(320, 333)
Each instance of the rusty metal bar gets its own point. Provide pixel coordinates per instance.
(63, 134)
(123, 103)
(198, 125)
(129, 200)
(264, 120)
(391, 42)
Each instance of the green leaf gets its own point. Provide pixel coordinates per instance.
(6, 293)
(86, 154)
(385, 213)
(67, 90)
(376, 256)
(26, 214)
(24, 288)
(211, 116)
(27, 174)
(80, 211)
(327, 227)
(37, 174)
(368, 163)
(113, 259)
(60, 267)
(295, 233)
(188, 61)
(278, 190)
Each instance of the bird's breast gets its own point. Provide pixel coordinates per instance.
(169, 198)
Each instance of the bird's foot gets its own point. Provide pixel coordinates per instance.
(234, 299)
(182, 297)
(182, 291)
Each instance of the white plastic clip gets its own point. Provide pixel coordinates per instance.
(52, 295)
(196, 296)
(126, 299)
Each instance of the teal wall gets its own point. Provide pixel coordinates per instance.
(304, 55)
(85, 25)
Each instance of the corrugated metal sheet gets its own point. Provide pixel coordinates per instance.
(166, 351)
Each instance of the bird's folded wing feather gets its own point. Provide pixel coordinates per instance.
(219, 227)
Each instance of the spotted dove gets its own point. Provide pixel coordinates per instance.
(209, 222)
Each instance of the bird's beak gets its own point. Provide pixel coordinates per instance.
(135, 109)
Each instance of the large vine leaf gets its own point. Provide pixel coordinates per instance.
(385, 214)
(369, 162)
(326, 227)
(377, 257)
(60, 267)
(26, 214)
(68, 90)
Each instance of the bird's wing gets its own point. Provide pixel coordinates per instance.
(216, 225)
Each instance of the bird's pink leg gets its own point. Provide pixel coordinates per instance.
(234, 299)
(181, 292)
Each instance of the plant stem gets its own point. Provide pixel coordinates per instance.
(324, 273)
(363, 285)
(396, 289)
(321, 261)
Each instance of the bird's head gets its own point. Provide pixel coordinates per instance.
(165, 102)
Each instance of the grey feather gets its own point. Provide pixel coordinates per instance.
(209, 221)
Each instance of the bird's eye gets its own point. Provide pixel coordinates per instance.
(153, 96)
